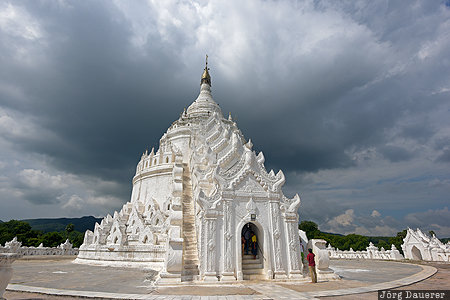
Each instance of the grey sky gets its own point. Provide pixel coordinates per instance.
(349, 98)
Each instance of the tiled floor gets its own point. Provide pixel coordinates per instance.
(53, 278)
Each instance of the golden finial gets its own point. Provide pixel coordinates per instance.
(206, 78)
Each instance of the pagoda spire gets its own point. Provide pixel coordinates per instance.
(206, 78)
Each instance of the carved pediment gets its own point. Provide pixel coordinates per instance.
(250, 185)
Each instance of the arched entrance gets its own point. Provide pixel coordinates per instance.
(416, 254)
(252, 240)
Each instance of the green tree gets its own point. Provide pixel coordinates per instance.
(310, 228)
(383, 244)
(21, 230)
(397, 240)
(51, 239)
(76, 238)
(29, 237)
(69, 228)
(356, 242)
(402, 234)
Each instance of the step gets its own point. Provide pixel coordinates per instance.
(252, 266)
(252, 271)
(254, 277)
(190, 272)
(191, 266)
(190, 277)
(190, 244)
(249, 256)
(190, 261)
(251, 261)
(190, 257)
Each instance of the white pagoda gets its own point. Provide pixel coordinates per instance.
(191, 201)
(419, 246)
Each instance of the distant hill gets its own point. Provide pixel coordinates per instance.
(332, 233)
(48, 225)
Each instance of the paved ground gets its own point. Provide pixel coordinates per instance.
(57, 274)
(439, 281)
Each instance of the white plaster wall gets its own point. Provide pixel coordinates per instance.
(157, 187)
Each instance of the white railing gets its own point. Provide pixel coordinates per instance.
(15, 246)
(371, 252)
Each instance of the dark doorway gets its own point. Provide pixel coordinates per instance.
(415, 252)
(252, 255)
(250, 240)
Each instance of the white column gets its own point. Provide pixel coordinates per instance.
(227, 242)
(210, 249)
(294, 256)
(277, 254)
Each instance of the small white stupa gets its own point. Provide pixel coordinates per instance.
(419, 246)
(192, 201)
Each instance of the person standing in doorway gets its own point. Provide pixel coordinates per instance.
(254, 245)
(312, 266)
(247, 237)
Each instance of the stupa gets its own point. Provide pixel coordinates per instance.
(191, 202)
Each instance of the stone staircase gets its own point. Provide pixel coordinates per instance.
(190, 270)
(252, 268)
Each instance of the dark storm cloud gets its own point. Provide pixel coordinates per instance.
(39, 187)
(395, 154)
(317, 86)
(420, 132)
(102, 103)
(445, 156)
(104, 100)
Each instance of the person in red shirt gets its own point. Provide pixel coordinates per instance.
(312, 266)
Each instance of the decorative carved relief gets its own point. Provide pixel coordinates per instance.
(276, 236)
(211, 245)
(228, 227)
(293, 246)
(251, 206)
